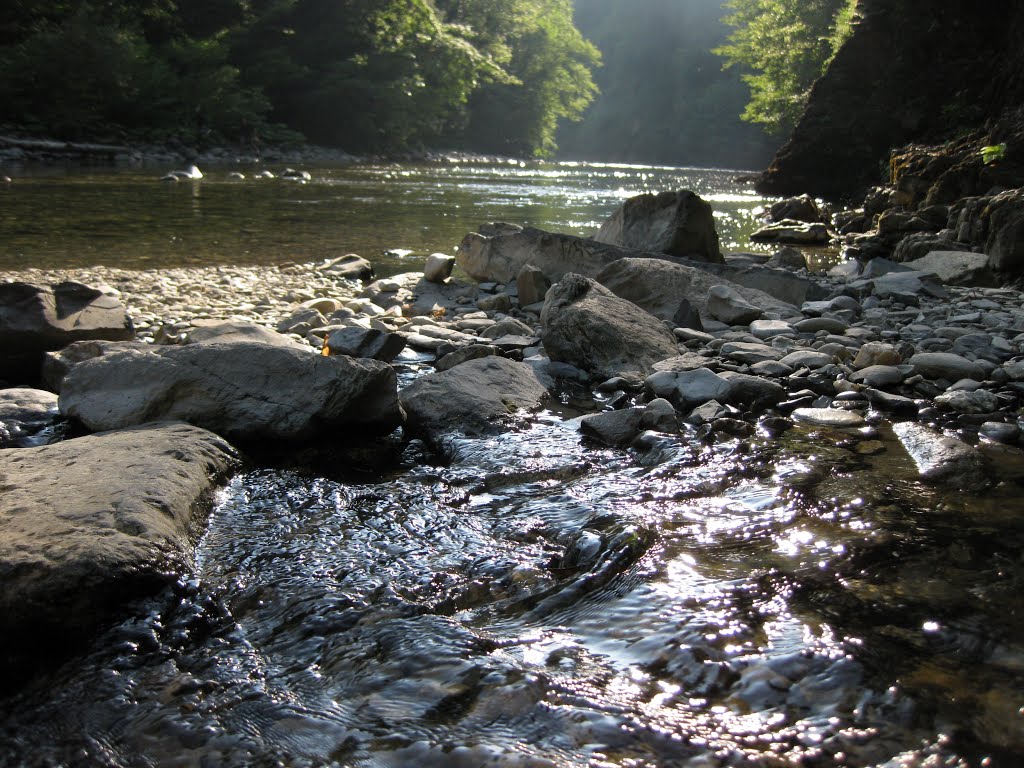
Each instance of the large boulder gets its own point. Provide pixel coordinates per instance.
(473, 397)
(677, 223)
(500, 254)
(246, 392)
(93, 522)
(662, 287)
(35, 319)
(588, 326)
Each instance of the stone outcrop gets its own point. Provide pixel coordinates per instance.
(35, 319)
(911, 72)
(588, 326)
(245, 392)
(93, 522)
(676, 223)
(474, 397)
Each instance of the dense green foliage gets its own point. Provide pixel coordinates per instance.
(783, 46)
(664, 96)
(368, 75)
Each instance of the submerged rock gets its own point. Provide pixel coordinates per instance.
(91, 523)
(942, 458)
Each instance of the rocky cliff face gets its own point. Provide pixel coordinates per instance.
(924, 72)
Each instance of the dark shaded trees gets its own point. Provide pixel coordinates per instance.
(367, 75)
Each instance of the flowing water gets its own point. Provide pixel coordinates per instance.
(390, 214)
(535, 599)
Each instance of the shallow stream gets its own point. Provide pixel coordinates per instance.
(534, 599)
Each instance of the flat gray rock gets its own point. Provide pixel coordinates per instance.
(90, 523)
(946, 365)
(829, 417)
(472, 398)
(247, 392)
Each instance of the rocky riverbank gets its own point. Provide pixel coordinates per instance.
(691, 345)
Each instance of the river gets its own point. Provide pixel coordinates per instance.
(390, 214)
(536, 599)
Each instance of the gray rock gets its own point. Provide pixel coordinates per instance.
(351, 266)
(509, 326)
(501, 255)
(365, 343)
(226, 331)
(876, 353)
(957, 267)
(588, 326)
(531, 285)
(945, 365)
(1000, 432)
(749, 352)
(829, 417)
(676, 223)
(802, 208)
(807, 358)
(471, 352)
(24, 412)
(766, 329)
(660, 415)
(57, 364)
(725, 304)
(793, 232)
(665, 289)
(91, 523)
(752, 391)
(438, 267)
(827, 324)
(301, 321)
(615, 428)
(246, 392)
(963, 401)
(472, 398)
(941, 458)
(880, 376)
(35, 319)
(699, 386)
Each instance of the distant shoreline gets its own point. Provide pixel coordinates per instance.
(20, 151)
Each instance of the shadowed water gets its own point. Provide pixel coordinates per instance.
(128, 218)
(536, 600)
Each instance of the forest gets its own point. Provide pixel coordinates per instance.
(658, 81)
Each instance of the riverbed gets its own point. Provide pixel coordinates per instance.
(538, 599)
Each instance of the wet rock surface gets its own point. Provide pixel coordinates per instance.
(136, 508)
(749, 532)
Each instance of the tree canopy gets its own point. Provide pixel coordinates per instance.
(783, 46)
(367, 75)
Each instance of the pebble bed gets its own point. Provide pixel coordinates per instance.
(852, 352)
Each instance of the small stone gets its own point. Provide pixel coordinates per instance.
(829, 417)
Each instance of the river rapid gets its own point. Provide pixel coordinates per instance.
(536, 599)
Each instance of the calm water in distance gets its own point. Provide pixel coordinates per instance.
(128, 218)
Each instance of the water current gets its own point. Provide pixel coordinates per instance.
(390, 214)
(534, 599)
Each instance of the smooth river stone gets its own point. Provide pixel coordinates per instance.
(828, 417)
